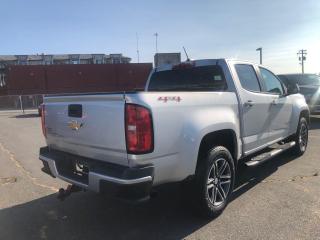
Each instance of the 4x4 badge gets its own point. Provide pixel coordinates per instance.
(169, 98)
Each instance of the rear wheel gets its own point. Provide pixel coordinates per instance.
(301, 137)
(214, 181)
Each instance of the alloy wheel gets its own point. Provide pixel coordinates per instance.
(219, 181)
(303, 137)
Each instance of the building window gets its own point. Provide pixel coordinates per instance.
(116, 60)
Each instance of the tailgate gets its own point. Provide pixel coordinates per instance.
(87, 125)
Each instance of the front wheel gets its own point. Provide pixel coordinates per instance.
(301, 137)
(214, 181)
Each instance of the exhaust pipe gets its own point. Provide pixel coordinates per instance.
(64, 193)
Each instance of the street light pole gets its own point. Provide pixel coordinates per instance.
(156, 35)
(156, 58)
(260, 50)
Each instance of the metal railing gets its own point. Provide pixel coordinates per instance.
(20, 102)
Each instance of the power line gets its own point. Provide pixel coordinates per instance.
(302, 57)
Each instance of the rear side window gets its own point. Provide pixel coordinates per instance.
(204, 78)
(248, 78)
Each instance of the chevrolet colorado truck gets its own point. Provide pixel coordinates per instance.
(194, 123)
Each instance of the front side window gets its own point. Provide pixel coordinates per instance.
(248, 78)
(271, 82)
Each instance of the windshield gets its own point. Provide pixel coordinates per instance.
(204, 78)
(301, 79)
(309, 79)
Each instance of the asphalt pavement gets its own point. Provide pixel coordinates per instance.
(277, 200)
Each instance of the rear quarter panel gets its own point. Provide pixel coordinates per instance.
(179, 127)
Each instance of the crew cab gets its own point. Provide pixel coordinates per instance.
(194, 123)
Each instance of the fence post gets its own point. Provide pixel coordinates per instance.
(21, 104)
(35, 97)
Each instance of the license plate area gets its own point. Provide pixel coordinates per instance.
(74, 169)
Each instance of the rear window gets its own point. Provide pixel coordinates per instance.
(204, 78)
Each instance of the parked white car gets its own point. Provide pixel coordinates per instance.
(194, 123)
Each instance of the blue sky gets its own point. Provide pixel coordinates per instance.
(208, 29)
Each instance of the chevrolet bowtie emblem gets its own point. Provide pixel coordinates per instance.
(74, 125)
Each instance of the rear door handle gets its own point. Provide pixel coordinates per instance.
(249, 103)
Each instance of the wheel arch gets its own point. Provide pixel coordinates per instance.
(306, 114)
(219, 138)
(300, 108)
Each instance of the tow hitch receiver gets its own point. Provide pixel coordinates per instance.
(64, 193)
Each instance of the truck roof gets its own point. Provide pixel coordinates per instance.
(202, 62)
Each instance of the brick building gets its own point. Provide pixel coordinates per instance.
(47, 59)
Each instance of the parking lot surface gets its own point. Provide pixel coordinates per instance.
(277, 200)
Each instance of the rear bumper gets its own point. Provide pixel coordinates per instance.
(116, 180)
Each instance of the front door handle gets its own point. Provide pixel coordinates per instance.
(249, 103)
(274, 102)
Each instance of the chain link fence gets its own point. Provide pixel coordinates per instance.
(23, 102)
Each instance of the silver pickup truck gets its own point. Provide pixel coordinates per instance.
(194, 123)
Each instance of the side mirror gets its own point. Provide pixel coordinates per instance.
(293, 89)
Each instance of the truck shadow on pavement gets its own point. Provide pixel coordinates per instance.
(315, 122)
(248, 177)
(27, 115)
(87, 215)
(91, 216)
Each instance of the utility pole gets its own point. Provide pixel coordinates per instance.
(302, 57)
(260, 50)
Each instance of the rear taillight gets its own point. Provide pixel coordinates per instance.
(139, 130)
(43, 120)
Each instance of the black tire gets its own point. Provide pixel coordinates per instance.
(212, 192)
(301, 137)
